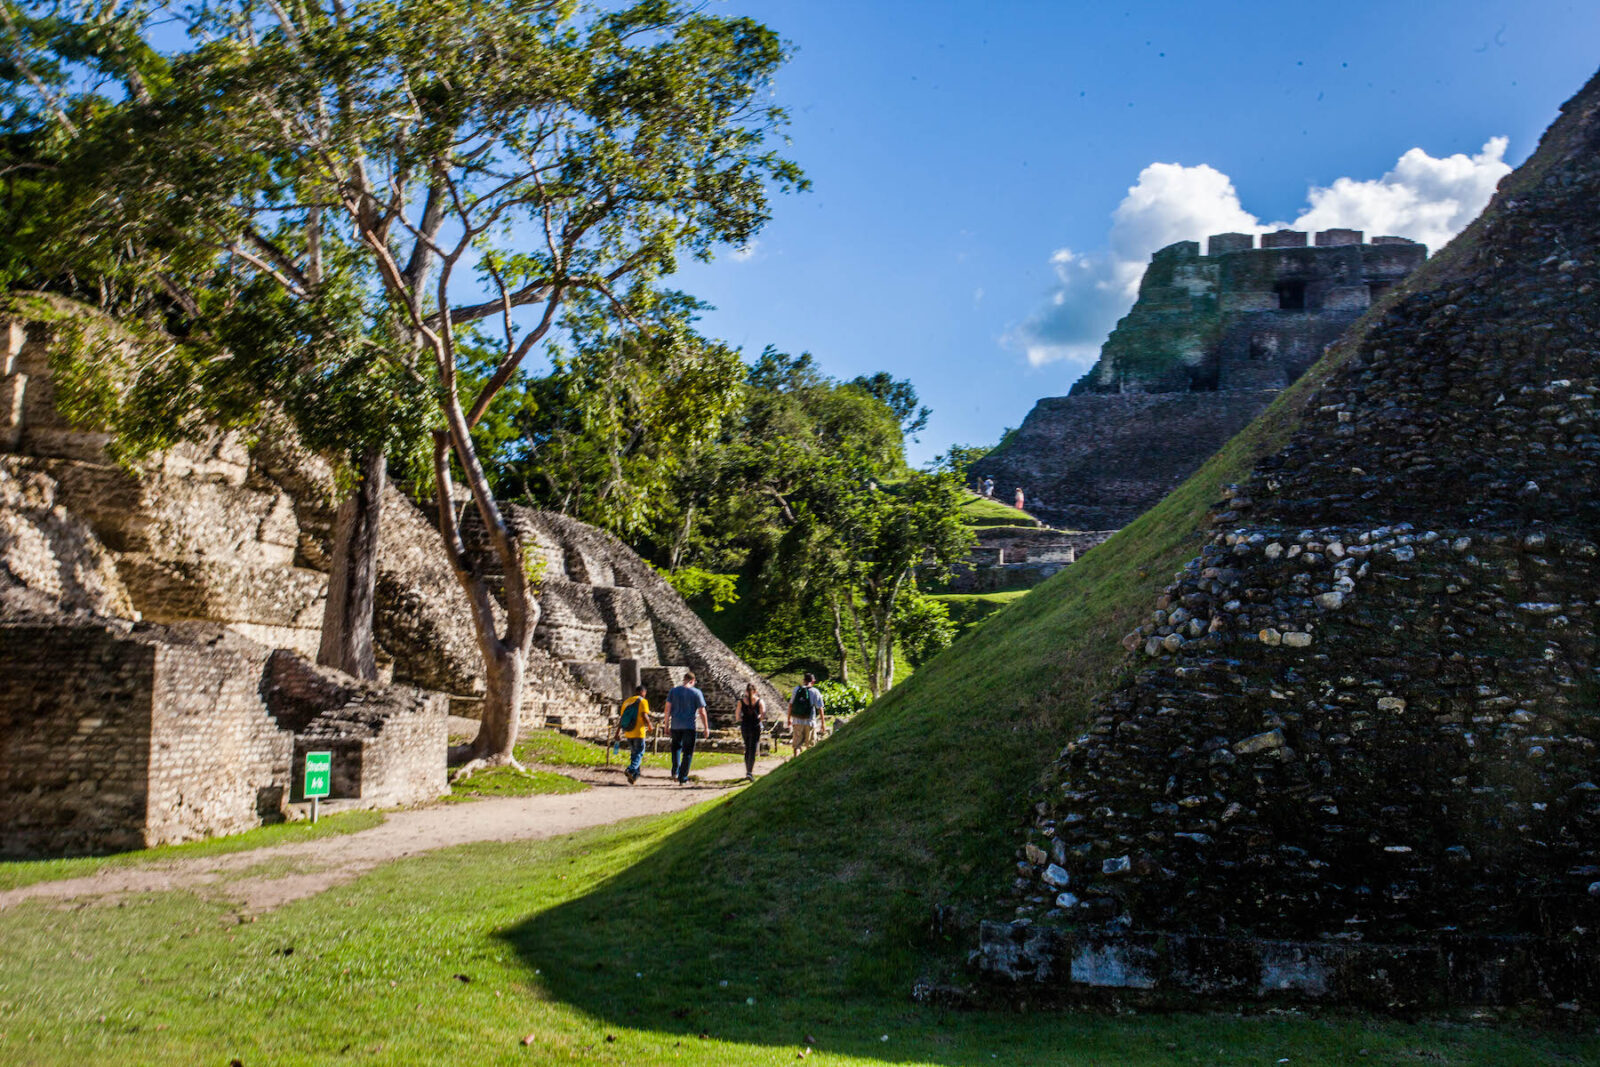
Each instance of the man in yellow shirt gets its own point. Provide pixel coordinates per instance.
(634, 725)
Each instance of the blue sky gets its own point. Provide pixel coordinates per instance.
(967, 159)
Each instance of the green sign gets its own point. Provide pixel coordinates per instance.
(319, 774)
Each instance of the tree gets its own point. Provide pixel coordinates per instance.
(894, 535)
(605, 435)
(485, 163)
(117, 195)
(899, 397)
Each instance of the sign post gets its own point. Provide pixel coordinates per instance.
(319, 778)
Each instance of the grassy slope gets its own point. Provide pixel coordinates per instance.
(969, 609)
(989, 511)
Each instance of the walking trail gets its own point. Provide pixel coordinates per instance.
(304, 868)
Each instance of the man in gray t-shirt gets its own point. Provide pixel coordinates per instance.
(806, 719)
(685, 704)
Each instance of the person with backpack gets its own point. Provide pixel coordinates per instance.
(806, 720)
(752, 710)
(634, 725)
(684, 704)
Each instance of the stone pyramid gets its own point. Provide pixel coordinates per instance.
(1357, 754)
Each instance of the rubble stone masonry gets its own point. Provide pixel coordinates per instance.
(1357, 753)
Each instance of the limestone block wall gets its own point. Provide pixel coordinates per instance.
(219, 761)
(116, 737)
(74, 753)
(388, 742)
(47, 554)
(589, 629)
(199, 532)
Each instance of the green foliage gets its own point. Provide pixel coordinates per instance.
(924, 627)
(842, 699)
(958, 459)
(900, 397)
(606, 434)
(702, 587)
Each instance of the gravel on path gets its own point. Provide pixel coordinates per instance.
(325, 862)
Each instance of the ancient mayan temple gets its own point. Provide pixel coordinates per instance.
(1356, 754)
(157, 627)
(1209, 343)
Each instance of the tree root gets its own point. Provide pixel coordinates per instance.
(483, 763)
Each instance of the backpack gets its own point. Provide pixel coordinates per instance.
(630, 715)
(800, 706)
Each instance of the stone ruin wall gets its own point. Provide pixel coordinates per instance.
(141, 738)
(123, 735)
(1357, 752)
(218, 533)
(1097, 461)
(1207, 345)
(610, 618)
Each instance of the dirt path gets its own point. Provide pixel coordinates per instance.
(305, 868)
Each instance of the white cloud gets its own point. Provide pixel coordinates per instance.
(1423, 198)
(745, 252)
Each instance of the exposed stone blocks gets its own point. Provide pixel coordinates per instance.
(114, 737)
(1359, 735)
(1218, 334)
(1095, 462)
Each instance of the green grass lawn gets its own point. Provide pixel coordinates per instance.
(15, 873)
(989, 511)
(458, 955)
(510, 782)
(556, 749)
(969, 609)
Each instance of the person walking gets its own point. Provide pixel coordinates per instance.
(634, 726)
(752, 710)
(806, 720)
(1019, 498)
(988, 487)
(685, 704)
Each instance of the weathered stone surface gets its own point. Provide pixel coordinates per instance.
(1417, 766)
(1211, 339)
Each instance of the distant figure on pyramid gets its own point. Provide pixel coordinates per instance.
(1019, 498)
(988, 487)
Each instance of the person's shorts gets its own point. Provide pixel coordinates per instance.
(805, 732)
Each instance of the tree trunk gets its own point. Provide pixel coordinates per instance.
(505, 657)
(353, 577)
(838, 643)
(502, 706)
(681, 540)
(861, 643)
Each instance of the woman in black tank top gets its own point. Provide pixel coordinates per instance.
(751, 711)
